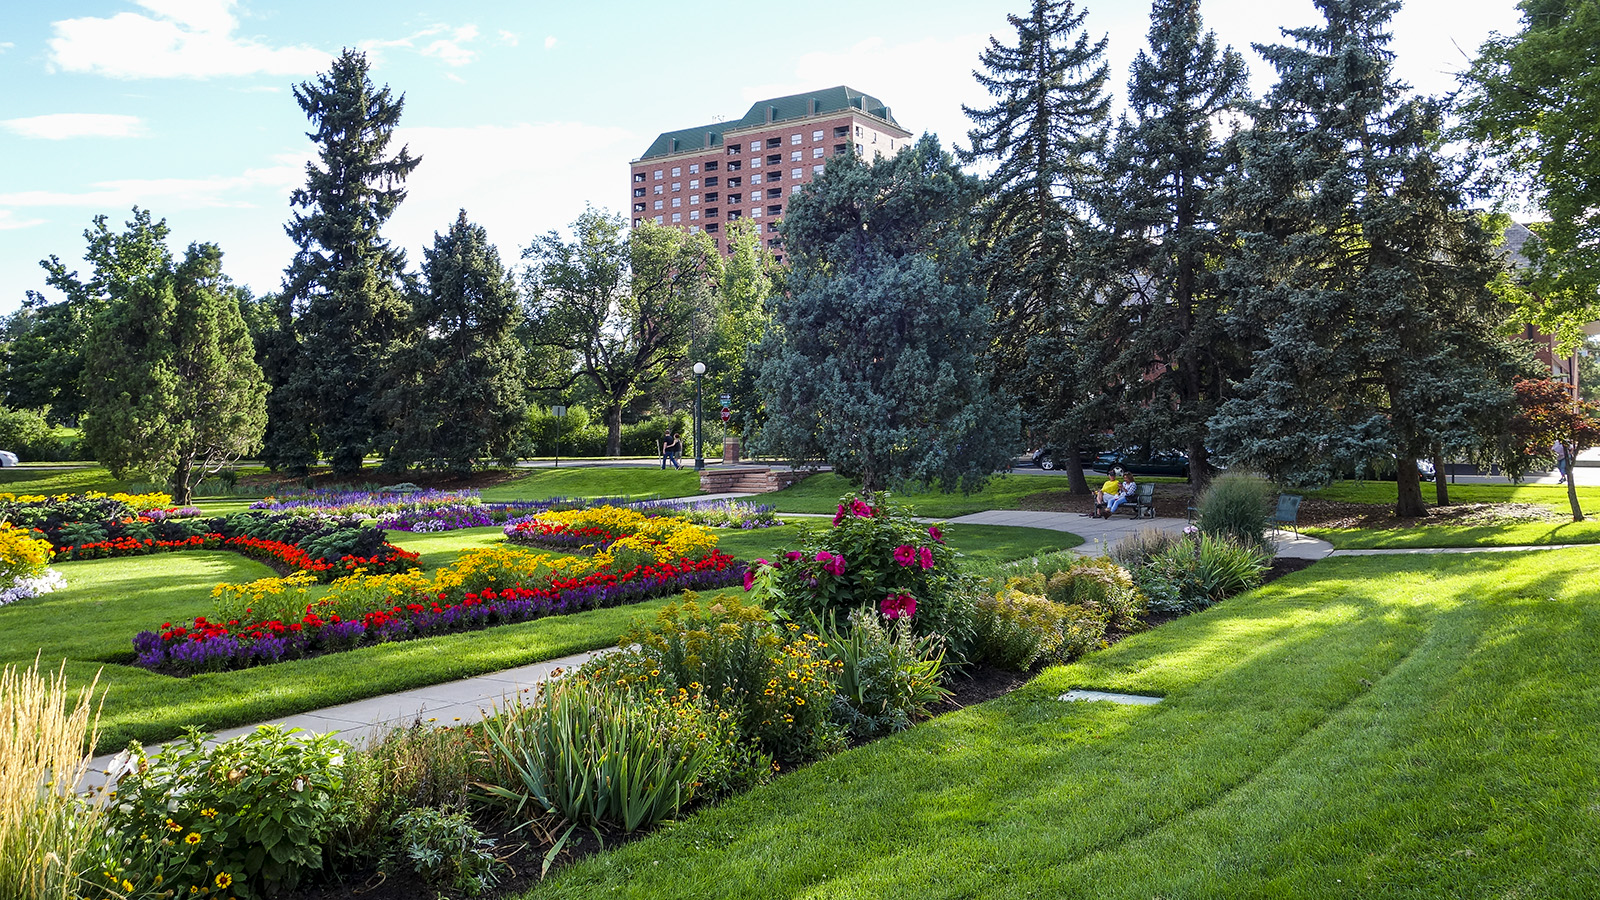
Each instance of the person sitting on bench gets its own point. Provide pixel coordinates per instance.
(1111, 488)
(1129, 488)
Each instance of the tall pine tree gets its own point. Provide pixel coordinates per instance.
(1045, 134)
(344, 311)
(172, 386)
(1161, 304)
(462, 396)
(1360, 265)
(874, 358)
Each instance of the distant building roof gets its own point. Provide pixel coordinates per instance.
(1516, 236)
(763, 112)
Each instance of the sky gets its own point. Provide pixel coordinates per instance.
(522, 111)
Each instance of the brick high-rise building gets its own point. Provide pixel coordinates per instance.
(706, 177)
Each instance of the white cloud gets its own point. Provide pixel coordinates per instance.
(6, 45)
(550, 42)
(286, 172)
(517, 181)
(182, 39)
(446, 44)
(60, 126)
(922, 97)
(509, 38)
(8, 223)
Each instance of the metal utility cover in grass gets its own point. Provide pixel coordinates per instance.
(1083, 696)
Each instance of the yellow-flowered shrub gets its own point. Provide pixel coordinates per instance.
(22, 555)
(264, 599)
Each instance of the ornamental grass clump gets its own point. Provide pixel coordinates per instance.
(49, 834)
(1201, 570)
(887, 677)
(1236, 506)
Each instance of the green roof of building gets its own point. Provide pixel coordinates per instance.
(762, 112)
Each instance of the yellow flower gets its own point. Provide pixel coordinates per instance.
(224, 879)
(209, 813)
(192, 838)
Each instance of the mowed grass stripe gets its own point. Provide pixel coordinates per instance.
(1365, 728)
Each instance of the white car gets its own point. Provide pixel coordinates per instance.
(8, 459)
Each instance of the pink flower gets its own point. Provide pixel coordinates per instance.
(834, 566)
(823, 556)
(839, 516)
(905, 554)
(896, 605)
(793, 555)
(936, 534)
(749, 579)
(861, 509)
(927, 558)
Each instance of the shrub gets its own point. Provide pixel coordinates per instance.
(1236, 506)
(597, 754)
(1200, 570)
(407, 768)
(249, 816)
(30, 436)
(1133, 551)
(1016, 628)
(1102, 587)
(775, 681)
(49, 834)
(447, 851)
(887, 677)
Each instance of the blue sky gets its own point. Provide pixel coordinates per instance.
(521, 111)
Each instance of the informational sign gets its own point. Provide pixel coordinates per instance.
(559, 412)
(727, 400)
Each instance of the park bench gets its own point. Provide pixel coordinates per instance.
(1288, 513)
(1142, 505)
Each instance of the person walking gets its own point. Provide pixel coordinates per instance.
(666, 447)
(1563, 461)
(674, 449)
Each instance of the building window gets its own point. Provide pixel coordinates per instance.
(775, 159)
(774, 210)
(659, 174)
(711, 228)
(694, 229)
(733, 166)
(658, 204)
(794, 138)
(694, 199)
(735, 198)
(755, 163)
(755, 146)
(637, 222)
(840, 148)
(795, 156)
(656, 190)
(658, 220)
(638, 176)
(795, 174)
(860, 150)
(676, 171)
(733, 149)
(735, 181)
(794, 188)
(677, 186)
(676, 218)
(677, 202)
(694, 169)
(816, 152)
(712, 181)
(775, 176)
(711, 166)
(772, 227)
(694, 214)
(816, 135)
(711, 197)
(841, 130)
(774, 142)
(755, 178)
(773, 242)
(858, 133)
(816, 170)
(774, 193)
(755, 213)
(638, 192)
(694, 183)
(733, 215)
(711, 214)
(638, 207)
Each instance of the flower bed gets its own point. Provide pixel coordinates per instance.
(718, 513)
(424, 510)
(280, 618)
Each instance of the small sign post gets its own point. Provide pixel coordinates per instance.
(560, 412)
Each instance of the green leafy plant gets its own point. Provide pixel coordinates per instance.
(1199, 571)
(417, 766)
(249, 817)
(447, 851)
(887, 677)
(1237, 506)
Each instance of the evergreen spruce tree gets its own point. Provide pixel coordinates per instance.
(874, 360)
(1045, 133)
(1161, 306)
(172, 386)
(462, 398)
(345, 308)
(1360, 266)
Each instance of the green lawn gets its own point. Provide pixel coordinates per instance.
(598, 481)
(1547, 495)
(1513, 535)
(1406, 727)
(821, 492)
(991, 543)
(29, 480)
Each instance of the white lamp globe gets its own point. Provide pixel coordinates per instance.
(699, 368)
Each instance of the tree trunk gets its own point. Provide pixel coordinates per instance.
(1572, 481)
(182, 491)
(1076, 483)
(614, 430)
(1441, 487)
(1200, 469)
(1408, 483)
(347, 461)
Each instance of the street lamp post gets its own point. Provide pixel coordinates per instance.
(699, 457)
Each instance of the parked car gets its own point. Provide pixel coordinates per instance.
(1136, 462)
(8, 459)
(1045, 458)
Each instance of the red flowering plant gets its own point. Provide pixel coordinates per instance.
(872, 555)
